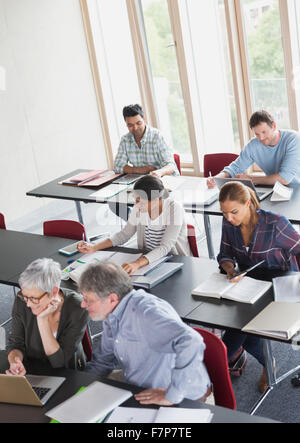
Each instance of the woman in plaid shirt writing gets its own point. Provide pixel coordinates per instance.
(250, 235)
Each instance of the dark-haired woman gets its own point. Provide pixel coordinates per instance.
(250, 235)
(158, 221)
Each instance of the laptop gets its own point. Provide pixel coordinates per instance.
(33, 390)
(128, 179)
(261, 193)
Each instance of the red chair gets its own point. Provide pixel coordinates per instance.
(215, 359)
(65, 228)
(177, 161)
(215, 163)
(87, 344)
(2, 222)
(192, 240)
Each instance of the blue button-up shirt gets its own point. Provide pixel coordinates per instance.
(153, 152)
(274, 240)
(146, 338)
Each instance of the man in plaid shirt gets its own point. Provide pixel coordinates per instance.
(143, 150)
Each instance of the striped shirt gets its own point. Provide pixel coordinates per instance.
(153, 152)
(274, 240)
(153, 236)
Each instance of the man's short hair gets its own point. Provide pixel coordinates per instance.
(105, 278)
(261, 117)
(132, 111)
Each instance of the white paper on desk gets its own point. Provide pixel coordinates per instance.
(161, 415)
(97, 256)
(281, 192)
(119, 258)
(183, 415)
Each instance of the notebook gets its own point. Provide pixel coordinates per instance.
(192, 191)
(128, 179)
(94, 178)
(159, 274)
(75, 269)
(31, 390)
(161, 415)
(89, 405)
(278, 320)
(247, 290)
(261, 193)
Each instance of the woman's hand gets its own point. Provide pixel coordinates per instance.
(16, 368)
(85, 248)
(153, 396)
(131, 268)
(51, 308)
(237, 279)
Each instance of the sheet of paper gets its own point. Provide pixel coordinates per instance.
(108, 191)
(287, 289)
(183, 415)
(132, 415)
(281, 192)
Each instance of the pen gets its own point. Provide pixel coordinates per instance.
(70, 261)
(247, 270)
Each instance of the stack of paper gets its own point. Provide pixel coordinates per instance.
(287, 289)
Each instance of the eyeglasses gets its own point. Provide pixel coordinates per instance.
(88, 304)
(33, 300)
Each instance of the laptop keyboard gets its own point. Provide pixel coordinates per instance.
(40, 392)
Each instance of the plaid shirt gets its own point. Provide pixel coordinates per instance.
(153, 152)
(274, 240)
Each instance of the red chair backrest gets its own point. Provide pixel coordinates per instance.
(215, 359)
(192, 240)
(214, 163)
(177, 161)
(2, 222)
(87, 345)
(65, 228)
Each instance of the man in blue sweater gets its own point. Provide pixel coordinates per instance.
(276, 152)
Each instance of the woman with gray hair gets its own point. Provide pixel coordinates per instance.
(158, 221)
(47, 322)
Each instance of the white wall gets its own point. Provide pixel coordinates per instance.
(49, 120)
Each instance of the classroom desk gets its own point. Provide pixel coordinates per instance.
(76, 379)
(176, 290)
(290, 209)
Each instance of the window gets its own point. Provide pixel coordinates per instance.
(265, 58)
(169, 103)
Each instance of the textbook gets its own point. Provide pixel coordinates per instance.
(153, 278)
(162, 415)
(247, 290)
(278, 320)
(93, 178)
(89, 405)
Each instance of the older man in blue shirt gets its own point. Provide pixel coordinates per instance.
(143, 336)
(276, 152)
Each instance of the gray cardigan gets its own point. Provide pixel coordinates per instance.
(25, 335)
(174, 240)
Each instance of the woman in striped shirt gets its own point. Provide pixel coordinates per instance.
(250, 235)
(158, 221)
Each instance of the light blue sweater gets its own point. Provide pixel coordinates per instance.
(282, 159)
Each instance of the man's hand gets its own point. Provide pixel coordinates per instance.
(153, 396)
(210, 183)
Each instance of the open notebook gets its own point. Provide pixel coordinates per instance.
(247, 290)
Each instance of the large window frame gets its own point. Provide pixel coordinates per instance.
(239, 65)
